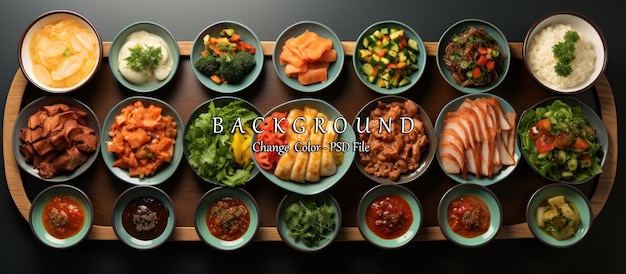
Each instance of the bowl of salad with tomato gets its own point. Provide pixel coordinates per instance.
(563, 140)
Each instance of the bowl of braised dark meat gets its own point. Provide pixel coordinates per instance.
(55, 138)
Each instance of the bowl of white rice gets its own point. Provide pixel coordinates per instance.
(565, 52)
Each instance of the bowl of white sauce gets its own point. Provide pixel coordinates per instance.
(144, 56)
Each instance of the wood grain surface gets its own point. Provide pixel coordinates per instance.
(348, 95)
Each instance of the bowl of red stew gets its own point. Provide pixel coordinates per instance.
(389, 216)
(144, 217)
(61, 216)
(227, 218)
(469, 215)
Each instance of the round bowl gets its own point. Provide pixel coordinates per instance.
(234, 196)
(528, 119)
(84, 37)
(290, 213)
(571, 195)
(467, 192)
(414, 54)
(498, 37)
(168, 169)
(344, 143)
(540, 61)
(202, 134)
(22, 124)
(507, 146)
(388, 197)
(426, 156)
(248, 36)
(156, 201)
(55, 196)
(296, 30)
(150, 34)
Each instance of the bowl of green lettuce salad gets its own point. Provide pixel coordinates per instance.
(217, 141)
(563, 140)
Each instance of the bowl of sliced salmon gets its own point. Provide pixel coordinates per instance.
(304, 146)
(477, 139)
(308, 56)
(142, 140)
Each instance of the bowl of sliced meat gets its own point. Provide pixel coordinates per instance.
(55, 138)
(477, 139)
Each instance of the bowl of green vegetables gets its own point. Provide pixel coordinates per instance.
(217, 141)
(390, 57)
(308, 223)
(563, 140)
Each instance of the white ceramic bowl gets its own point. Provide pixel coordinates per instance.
(587, 30)
(88, 36)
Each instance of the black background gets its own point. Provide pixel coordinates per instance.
(600, 252)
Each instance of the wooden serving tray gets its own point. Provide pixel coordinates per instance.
(348, 95)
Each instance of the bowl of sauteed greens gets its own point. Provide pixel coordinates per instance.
(563, 140)
(473, 56)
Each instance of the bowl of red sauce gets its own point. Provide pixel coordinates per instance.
(61, 216)
(389, 216)
(144, 217)
(469, 215)
(227, 218)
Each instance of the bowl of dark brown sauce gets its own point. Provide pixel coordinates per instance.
(144, 217)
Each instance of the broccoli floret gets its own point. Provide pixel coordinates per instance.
(246, 59)
(207, 65)
(232, 71)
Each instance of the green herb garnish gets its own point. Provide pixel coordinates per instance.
(67, 53)
(309, 221)
(143, 58)
(564, 52)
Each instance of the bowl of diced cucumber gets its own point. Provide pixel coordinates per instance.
(389, 57)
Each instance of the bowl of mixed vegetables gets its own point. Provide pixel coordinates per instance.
(227, 57)
(389, 57)
(217, 141)
(473, 56)
(308, 223)
(559, 215)
(563, 140)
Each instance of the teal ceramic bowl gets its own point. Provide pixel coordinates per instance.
(506, 170)
(22, 122)
(374, 198)
(458, 28)
(319, 199)
(418, 53)
(49, 18)
(167, 169)
(206, 202)
(492, 203)
(127, 198)
(154, 32)
(427, 154)
(592, 118)
(572, 195)
(346, 138)
(295, 30)
(37, 218)
(203, 108)
(248, 36)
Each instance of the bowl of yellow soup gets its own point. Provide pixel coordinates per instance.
(60, 51)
